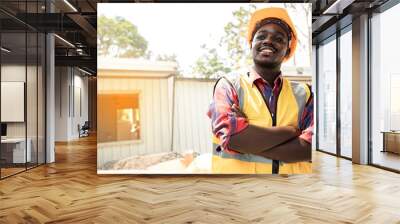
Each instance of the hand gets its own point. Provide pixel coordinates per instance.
(298, 131)
(236, 110)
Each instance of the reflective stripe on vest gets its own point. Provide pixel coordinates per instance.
(291, 102)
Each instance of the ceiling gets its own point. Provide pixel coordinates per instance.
(328, 16)
(76, 21)
(75, 43)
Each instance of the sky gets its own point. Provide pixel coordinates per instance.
(182, 28)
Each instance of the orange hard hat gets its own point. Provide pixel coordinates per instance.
(273, 13)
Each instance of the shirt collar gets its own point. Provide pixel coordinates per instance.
(254, 76)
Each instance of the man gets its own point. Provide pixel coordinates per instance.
(262, 122)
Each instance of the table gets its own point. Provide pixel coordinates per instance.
(391, 141)
(13, 150)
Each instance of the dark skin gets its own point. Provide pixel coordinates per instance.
(269, 47)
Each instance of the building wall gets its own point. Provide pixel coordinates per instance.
(61, 103)
(192, 127)
(80, 103)
(33, 127)
(71, 102)
(16, 73)
(155, 109)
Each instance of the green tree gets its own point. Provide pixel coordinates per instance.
(233, 43)
(118, 37)
(210, 64)
(304, 42)
(235, 38)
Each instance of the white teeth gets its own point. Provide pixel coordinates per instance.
(267, 50)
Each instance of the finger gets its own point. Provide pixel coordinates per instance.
(234, 108)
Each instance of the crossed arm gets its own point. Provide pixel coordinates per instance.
(278, 143)
(283, 143)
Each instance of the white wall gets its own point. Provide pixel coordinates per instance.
(68, 81)
(192, 127)
(62, 80)
(50, 95)
(154, 117)
(14, 73)
(33, 127)
(80, 83)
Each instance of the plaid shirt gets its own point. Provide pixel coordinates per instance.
(225, 123)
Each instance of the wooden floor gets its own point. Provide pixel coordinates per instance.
(388, 159)
(70, 191)
(10, 171)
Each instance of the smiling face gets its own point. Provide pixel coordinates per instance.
(270, 46)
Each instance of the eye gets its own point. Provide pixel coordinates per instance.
(279, 39)
(260, 37)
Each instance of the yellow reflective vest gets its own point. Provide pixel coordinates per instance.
(291, 102)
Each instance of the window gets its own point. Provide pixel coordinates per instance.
(346, 93)
(327, 96)
(128, 126)
(120, 116)
(23, 85)
(385, 89)
(394, 102)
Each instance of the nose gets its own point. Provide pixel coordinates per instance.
(267, 40)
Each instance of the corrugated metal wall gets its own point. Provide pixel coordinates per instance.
(191, 127)
(154, 116)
